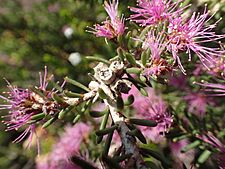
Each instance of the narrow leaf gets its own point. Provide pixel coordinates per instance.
(103, 125)
(130, 59)
(38, 116)
(191, 146)
(129, 101)
(106, 130)
(49, 122)
(78, 84)
(98, 59)
(204, 156)
(133, 70)
(143, 122)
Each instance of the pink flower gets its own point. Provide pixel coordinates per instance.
(152, 12)
(190, 35)
(197, 103)
(158, 66)
(67, 146)
(217, 69)
(69, 142)
(155, 44)
(153, 108)
(23, 104)
(113, 27)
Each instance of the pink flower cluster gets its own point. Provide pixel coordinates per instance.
(182, 35)
(23, 104)
(152, 12)
(67, 146)
(112, 27)
(153, 108)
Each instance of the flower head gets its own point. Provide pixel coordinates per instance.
(25, 103)
(153, 108)
(68, 145)
(155, 44)
(157, 66)
(217, 69)
(112, 27)
(152, 12)
(190, 35)
(197, 103)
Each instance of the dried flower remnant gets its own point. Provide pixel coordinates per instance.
(189, 35)
(157, 67)
(152, 12)
(23, 104)
(112, 27)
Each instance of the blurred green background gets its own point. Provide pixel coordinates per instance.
(35, 33)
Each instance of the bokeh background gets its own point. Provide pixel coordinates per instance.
(35, 33)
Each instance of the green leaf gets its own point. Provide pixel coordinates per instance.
(204, 156)
(102, 94)
(97, 114)
(98, 59)
(120, 53)
(119, 103)
(144, 58)
(78, 84)
(129, 101)
(130, 58)
(143, 92)
(82, 163)
(111, 162)
(143, 122)
(106, 130)
(143, 79)
(133, 70)
(72, 94)
(103, 125)
(137, 133)
(157, 155)
(188, 147)
(57, 98)
(49, 122)
(122, 157)
(63, 112)
(38, 116)
(76, 119)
